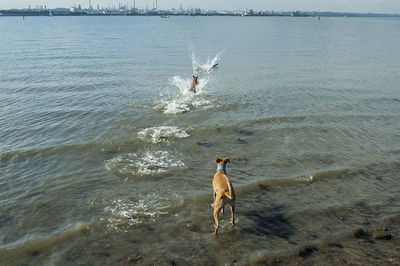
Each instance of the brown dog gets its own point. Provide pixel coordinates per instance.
(194, 83)
(223, 191)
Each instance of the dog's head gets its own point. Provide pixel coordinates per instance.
(221, 161)
(195, 78)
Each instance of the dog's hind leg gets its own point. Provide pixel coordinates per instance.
(218, 205)
(233, 213)
(216, 211)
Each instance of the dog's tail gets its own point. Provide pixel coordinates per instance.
(229, 193)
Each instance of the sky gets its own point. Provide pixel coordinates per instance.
(377, 6)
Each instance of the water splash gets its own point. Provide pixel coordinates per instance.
(144, 163)
(185, 99)
(163, 133)
(207, 66)
(126, 212)
(185, 84)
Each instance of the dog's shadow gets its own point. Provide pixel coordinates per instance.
(270, 222)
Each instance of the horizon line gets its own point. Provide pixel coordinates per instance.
(126, 8)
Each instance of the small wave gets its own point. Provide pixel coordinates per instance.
(36, 245)
(148, 208)
(294, 181)
(144, 163)
(158, 134)
(284, 182)
(22, 154)
(207, 66)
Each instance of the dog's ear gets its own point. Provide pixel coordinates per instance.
(193, 76)
(217, 160)
(226, 160)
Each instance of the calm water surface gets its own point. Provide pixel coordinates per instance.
(107, 158)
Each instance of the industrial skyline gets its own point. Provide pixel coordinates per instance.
(361, 6)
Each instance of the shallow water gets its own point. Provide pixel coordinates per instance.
(107, 157)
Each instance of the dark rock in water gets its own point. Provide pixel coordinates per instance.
(103, 254)
(35, 253)
(381, 233)
(193, 228)
(335, 245)
(307, 251)
(360, 204)
(242, 160)
(245, 132)
(365, 221)
(391, 199)
(241, 141)
(263, 187)
(205, 144)
(269, 222)
(277, 260)
(133, 260)
(361, 234)
(329, 159)
(5, 219)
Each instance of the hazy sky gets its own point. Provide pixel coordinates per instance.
(381, 6)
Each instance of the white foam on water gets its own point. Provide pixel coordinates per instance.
(145, 209)
(207, 66)
(176, 107)
(185, 99)
(201, 103)
(158, 162)
(144, 163)
(162, 133)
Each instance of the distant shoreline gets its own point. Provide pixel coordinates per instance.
(164, 13)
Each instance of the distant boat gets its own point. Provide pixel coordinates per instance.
(164, 16)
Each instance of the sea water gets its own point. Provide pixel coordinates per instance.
(106, 157)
